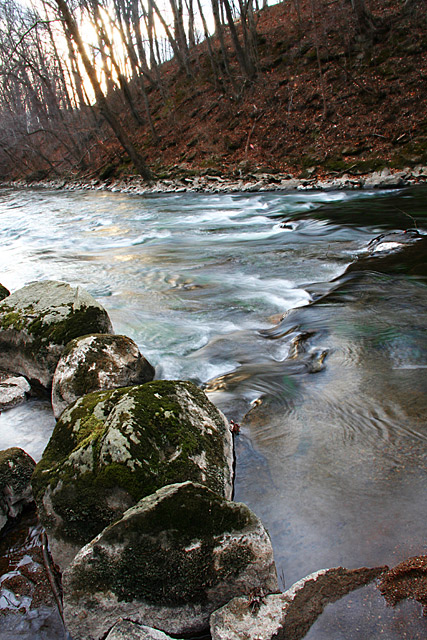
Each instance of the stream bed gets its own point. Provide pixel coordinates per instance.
(272, 304)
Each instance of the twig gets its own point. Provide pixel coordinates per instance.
(33, 26)
(51, 577)
(250, 135)
(409, 216)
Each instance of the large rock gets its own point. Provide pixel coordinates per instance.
(97, 362)
(288, 615)
(36, 322)
(13, 390)
(111, 448)
(172, 559)
(16, 468)
(127, 630)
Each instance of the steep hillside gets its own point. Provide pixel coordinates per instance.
(327, 98)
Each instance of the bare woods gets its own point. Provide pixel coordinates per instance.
(94, 86)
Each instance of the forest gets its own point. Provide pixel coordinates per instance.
(113, 88)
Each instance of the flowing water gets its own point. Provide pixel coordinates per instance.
(245, 295)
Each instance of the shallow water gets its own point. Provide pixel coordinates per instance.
(331, 400)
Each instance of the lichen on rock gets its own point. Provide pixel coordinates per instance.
(109, 449)
(169, 562)
(97, 362)
(37, 321)
(127, 630)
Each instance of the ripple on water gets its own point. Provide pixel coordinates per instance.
(27, 426)
(364, 614)
(333, 463)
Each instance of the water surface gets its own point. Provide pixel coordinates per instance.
(331, 399)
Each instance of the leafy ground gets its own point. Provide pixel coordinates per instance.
(327, 100)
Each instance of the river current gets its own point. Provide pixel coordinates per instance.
(244, 294)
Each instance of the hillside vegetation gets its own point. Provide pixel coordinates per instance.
(329, 93)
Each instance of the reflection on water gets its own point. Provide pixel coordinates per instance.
(346, 449)
(245, 295)
(363, 614)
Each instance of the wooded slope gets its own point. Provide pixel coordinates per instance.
(331, 90)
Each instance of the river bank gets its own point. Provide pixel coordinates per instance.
(181, 181)
(326, 99)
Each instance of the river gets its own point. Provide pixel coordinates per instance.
(331, 400)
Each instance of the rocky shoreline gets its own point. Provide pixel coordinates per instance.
(134, 491)
(181, 181)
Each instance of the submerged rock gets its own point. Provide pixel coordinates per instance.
(288, 615)
(402, 252)
(393, 240)
(4, 292)
(13, 390)
(109, 449)
(172, 559)
(16, 468)
(36, 322)
(97, 362)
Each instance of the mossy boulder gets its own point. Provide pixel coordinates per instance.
(97, 362)
(13, 390)
(4, 292)
(172, 559)
(109, 449)
(37, 321)
(16, 468)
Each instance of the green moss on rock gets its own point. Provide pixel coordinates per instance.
(129, 441)
(38, 320)
(78, 322)
(97, 362)
(12, 320)
(16, 468)
(168, 545)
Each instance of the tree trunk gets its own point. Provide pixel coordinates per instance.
(242, 55)
(364, 18)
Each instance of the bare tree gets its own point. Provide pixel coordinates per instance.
(107, 112)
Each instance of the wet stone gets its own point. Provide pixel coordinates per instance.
(4, 292)
(408, 580)
(109, 449)
(13, 390)
(16, 468)
(37, 321)
(365, 614)
(28, 608)
(172, 559)
(127, 630)
(97, 362)
(290, 614)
